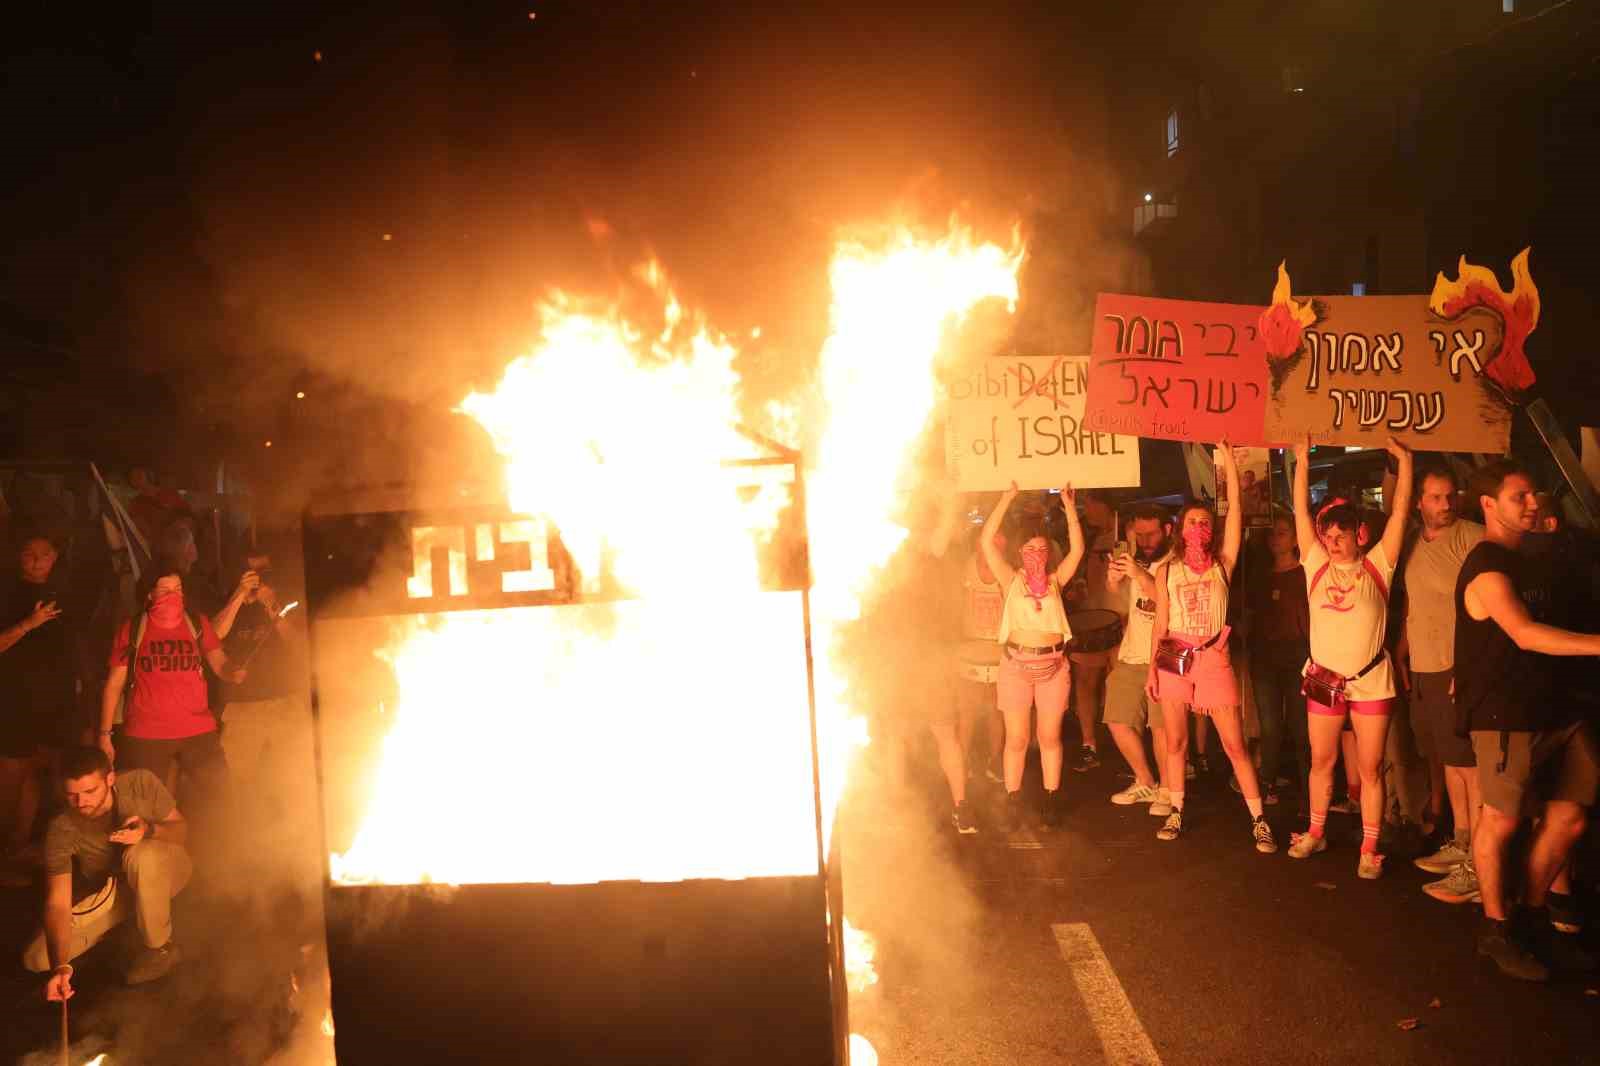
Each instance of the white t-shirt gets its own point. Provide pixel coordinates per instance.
(1141, 621)
(1349, 618)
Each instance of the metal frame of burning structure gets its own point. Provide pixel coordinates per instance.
(715, 968)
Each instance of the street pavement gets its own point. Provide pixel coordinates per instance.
(1212, 952)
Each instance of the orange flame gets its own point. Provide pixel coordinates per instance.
(1477, 286)
(1284, 323)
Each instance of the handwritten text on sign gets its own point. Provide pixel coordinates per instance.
(1372, 366)
(1177, 369)
(1021, 418)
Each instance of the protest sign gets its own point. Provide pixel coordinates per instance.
(1255, 486)
(1177, 370)
(1021, 418)
(1440, 373)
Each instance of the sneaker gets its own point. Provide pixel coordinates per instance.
(1188, 771)
(1495, 940)
(1233, 783)
(1163, 803)
(1370, 866)
(994, 773)
(1050, 810)
(1564, 913)
(1172, 828)
(1011, 813)
(1201, 765)
(1135, 793)
(1460, 885)
(1444, 860)
(1088, 759)
(1348, 805)
(154, 964)
(1265, 842)
(962, 817)
(1304, 845)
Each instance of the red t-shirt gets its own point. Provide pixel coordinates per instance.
(169, 690)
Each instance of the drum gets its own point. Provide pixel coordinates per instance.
(979, 660)
(1093, 631)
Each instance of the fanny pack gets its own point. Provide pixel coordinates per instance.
(1176, 657)
(1326, 687)
(1038, 671)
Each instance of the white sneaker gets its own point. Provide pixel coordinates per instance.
(1447, 858)
(1163, 803)
(1304, 845)
(1346, 806)
(1370, 868)
(1135, 793)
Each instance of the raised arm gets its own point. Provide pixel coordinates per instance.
(1233, 524)
(1394, 531)
(1305, 526)
(1075, 547)
(991, 529)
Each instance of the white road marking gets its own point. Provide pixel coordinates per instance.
(1118, 1027)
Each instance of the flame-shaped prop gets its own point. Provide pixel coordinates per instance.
(1477, 286)
(1283, 328)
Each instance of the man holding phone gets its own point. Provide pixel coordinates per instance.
(1128, 707)
(117, 850)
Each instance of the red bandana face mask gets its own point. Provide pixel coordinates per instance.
(1034, 579)
(1197, 545)
(166, 609)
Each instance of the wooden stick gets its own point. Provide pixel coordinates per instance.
(65, 1043)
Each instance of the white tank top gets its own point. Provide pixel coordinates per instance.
(1024, 612)
(1197, 604)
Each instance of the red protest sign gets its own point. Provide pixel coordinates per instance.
(1177, 370)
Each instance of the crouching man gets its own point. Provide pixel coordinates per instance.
(118, 849)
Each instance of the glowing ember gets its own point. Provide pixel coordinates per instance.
(862, 1053)
(859, 951)
(1477, 286)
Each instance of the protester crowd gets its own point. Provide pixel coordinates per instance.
(1440, 649)
(109, 754)
(1444, 660)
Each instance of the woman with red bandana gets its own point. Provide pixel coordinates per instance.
(166, 718)
(1190, 666)
(1349, 672)
(1034, 632)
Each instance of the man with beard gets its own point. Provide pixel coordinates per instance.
(1531, 742)
(1128, 706)
(118, 849)
(1426, 659)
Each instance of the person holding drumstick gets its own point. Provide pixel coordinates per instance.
(1033, 630)
(1189, 660)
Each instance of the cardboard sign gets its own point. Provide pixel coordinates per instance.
(1021, 418)
(1177, 370)
(1255, 486)
(1371, 366)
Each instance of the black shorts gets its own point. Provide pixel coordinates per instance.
(1433, 720)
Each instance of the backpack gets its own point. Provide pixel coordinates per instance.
(136, 630)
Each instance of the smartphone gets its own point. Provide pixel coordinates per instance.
(1119, 549)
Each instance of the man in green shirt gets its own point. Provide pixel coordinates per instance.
(117, 850)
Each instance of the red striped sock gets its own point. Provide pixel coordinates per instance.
(1318, 820)
(1369, 839)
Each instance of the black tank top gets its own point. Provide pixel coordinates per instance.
(1499, 686)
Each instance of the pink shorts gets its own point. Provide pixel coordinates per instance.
(1018, 692)
(1353, 706)
(1209, 683)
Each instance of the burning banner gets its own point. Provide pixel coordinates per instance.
(587, 706)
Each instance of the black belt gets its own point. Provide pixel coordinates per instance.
(1035, 651)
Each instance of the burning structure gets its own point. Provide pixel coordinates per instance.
(578, 764)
